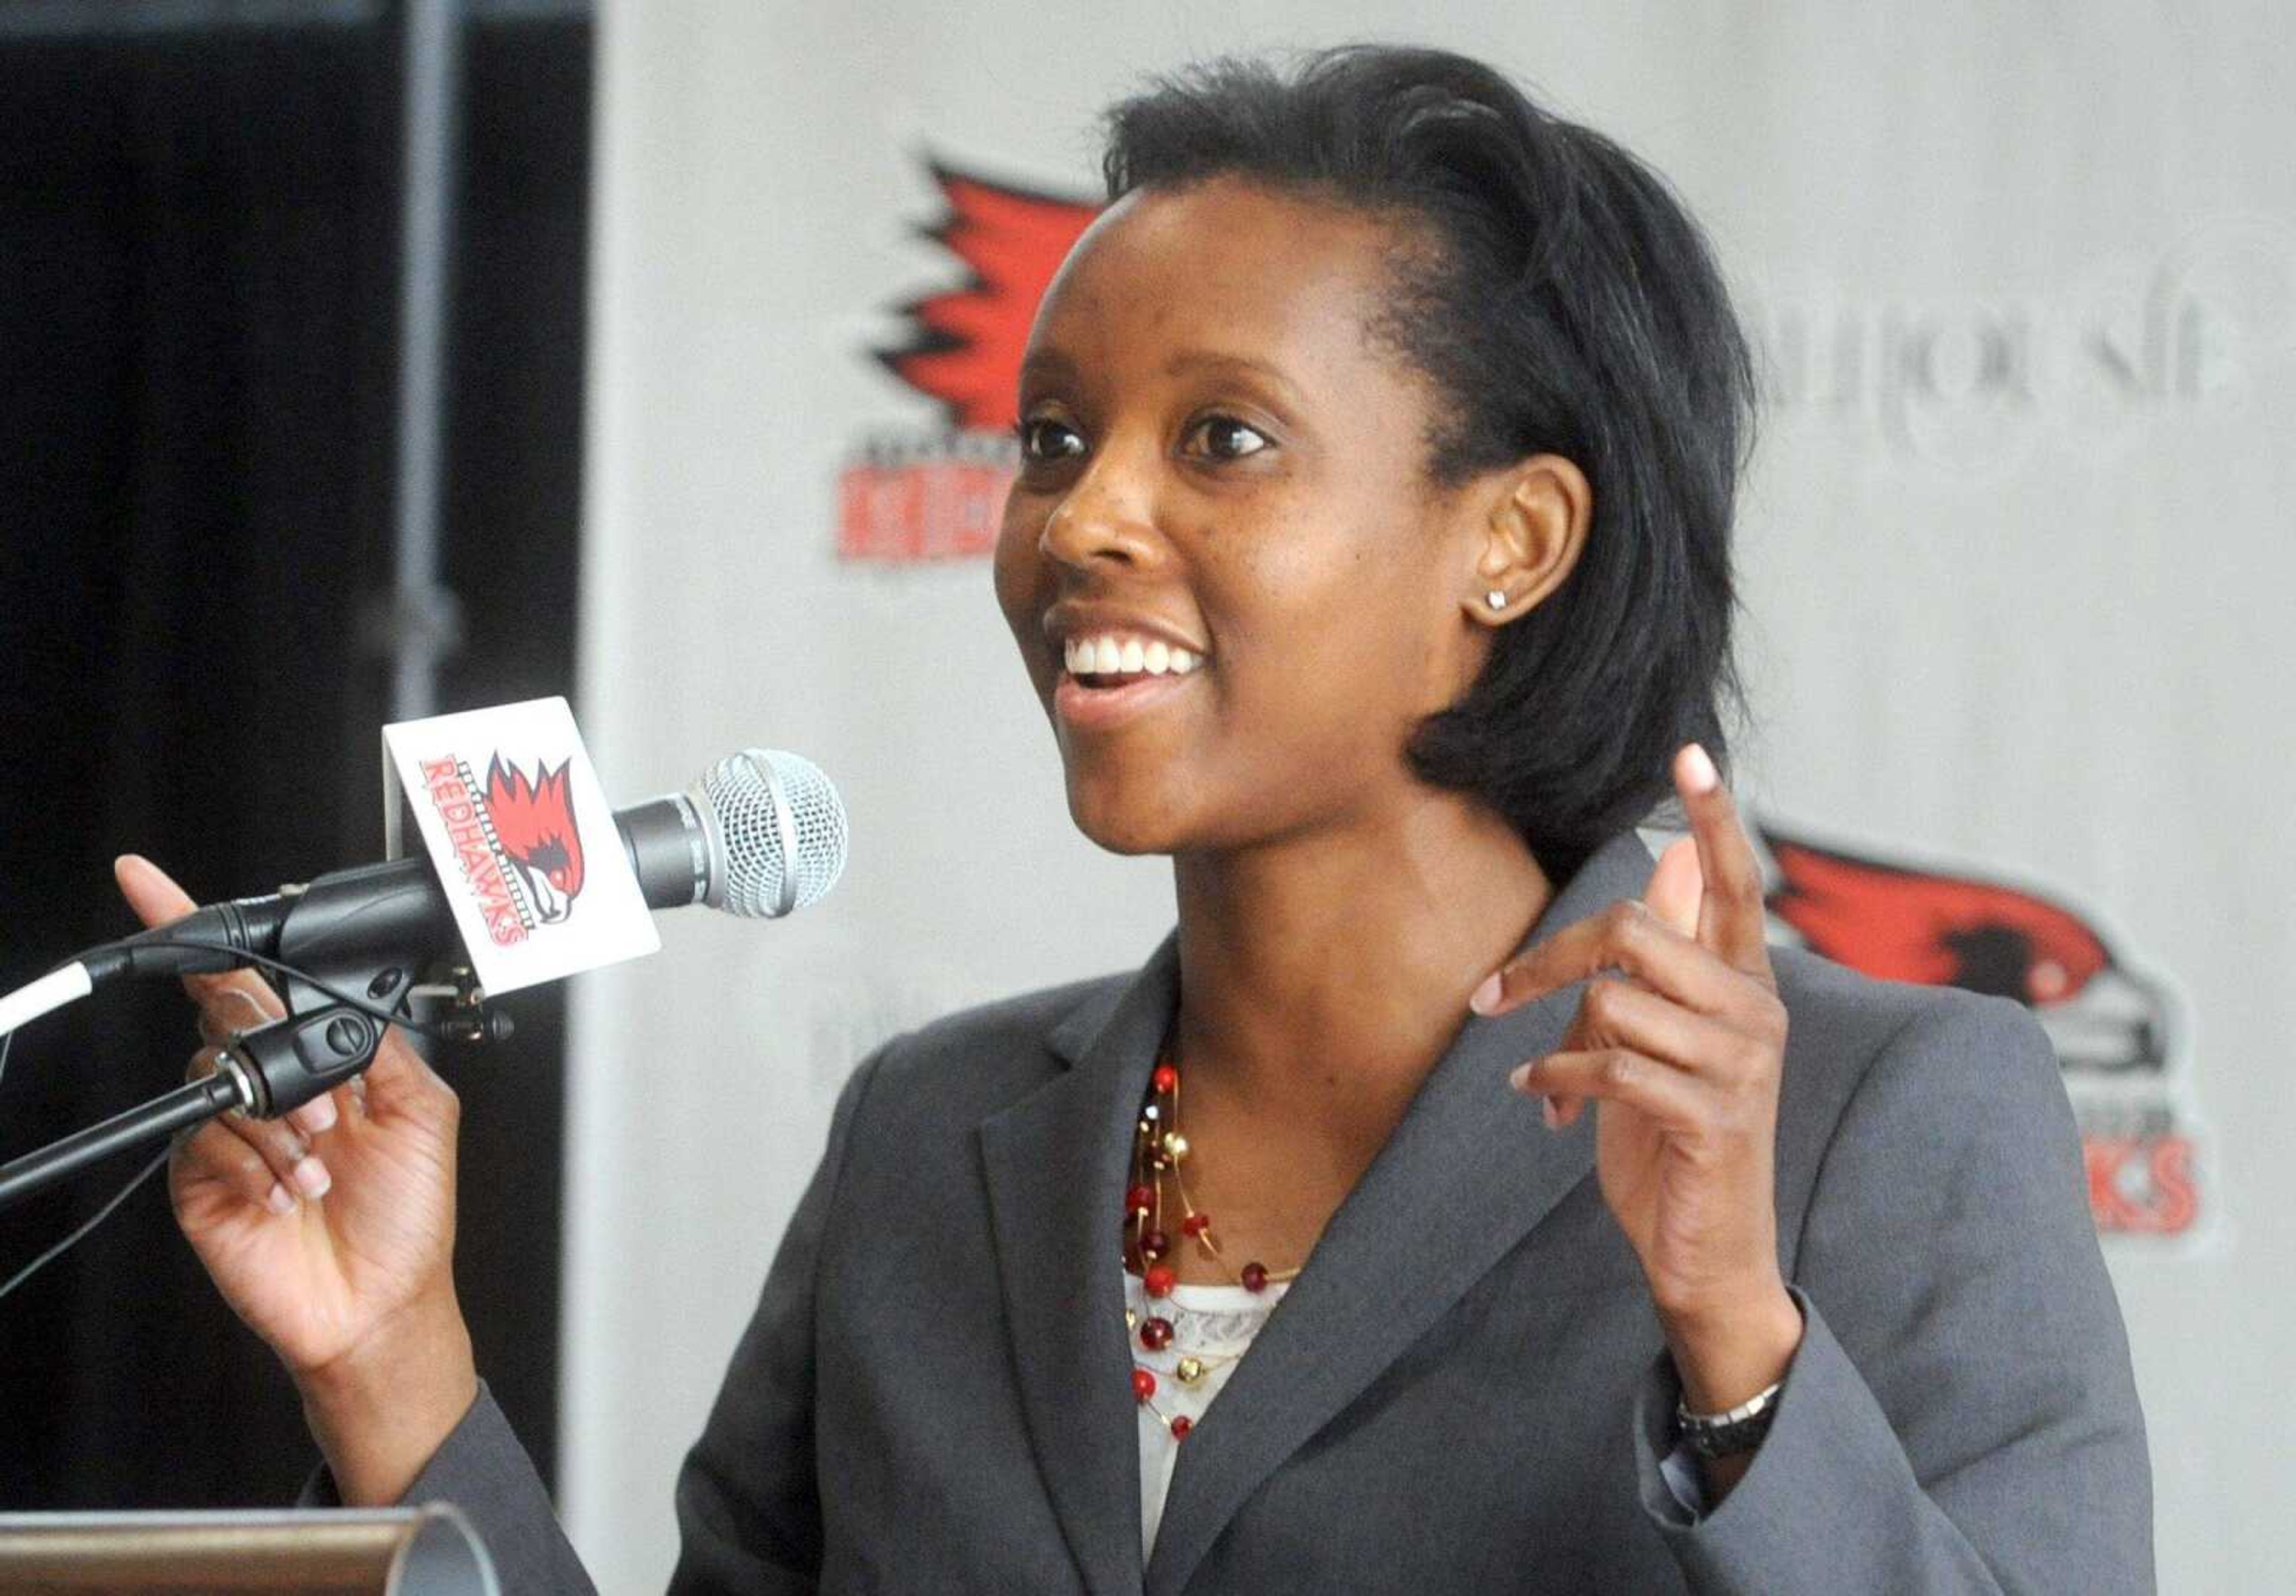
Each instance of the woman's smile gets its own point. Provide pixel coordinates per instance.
(1116, 664)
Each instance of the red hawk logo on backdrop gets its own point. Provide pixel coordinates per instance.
(938, 492)
(2116, 1032)
(966, 342)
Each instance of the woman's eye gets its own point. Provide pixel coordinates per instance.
(1044, 439)
(1224, 438)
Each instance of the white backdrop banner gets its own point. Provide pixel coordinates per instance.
(2016, 554)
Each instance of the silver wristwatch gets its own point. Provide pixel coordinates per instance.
(1726, 1434)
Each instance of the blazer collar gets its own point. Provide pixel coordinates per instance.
(1057, 1162)
(1468, 1172)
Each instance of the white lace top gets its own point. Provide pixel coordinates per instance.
(1213, 1324)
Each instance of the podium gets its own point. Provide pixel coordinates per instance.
(429, 1551)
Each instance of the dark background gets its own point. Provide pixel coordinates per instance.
(198, 291)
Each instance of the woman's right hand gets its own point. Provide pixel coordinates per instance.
(331, 1232)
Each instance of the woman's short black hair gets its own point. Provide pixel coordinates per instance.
(1565, 303)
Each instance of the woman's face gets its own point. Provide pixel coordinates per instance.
(1219, 464)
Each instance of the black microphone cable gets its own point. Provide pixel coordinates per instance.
(92, 1221)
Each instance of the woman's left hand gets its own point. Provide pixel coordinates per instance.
(1680, 1038)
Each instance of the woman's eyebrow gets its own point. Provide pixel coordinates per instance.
(1188, 360)
(1048, 366)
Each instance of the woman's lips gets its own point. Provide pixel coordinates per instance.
(1102, 708)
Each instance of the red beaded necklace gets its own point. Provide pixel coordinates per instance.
(1159, 1149)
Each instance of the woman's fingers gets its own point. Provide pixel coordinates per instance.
(401, 1085)
(1677, 885)
(227, 1011)
(1620, 1018)
(229, 1002)
(1627, 937)
(1680, 1015)
(283, 1150)
(156, 899)
(1714, 970)
(1675, 898)
(1732, 920)
(1709, 967)
(213, 1153)
(1676, 1098)
(150, 891)
(159, 901)
(1620, 1014)
(259, 1163)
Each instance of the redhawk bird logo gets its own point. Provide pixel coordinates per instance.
(1906, 925)
(534, 822)
(965, 343)
(935, 493)
(2114, 1031)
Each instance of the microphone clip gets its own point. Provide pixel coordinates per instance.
(288, 1061)
(322, 1042)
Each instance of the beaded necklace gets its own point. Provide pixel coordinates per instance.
(1159, 1150)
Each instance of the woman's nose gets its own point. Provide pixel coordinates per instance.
(1105, 517)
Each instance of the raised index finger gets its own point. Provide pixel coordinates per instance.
(1731, 921)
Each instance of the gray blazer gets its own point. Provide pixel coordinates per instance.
(1465, 1390)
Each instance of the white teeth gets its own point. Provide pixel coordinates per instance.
(1109, 656)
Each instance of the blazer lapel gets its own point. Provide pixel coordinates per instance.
(1056, 1163)
(1468, 1172)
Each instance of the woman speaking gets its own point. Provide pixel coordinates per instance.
(1458, 1200)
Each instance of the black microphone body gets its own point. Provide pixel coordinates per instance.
(394, 911)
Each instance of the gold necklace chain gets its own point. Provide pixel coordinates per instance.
(1158, 1151)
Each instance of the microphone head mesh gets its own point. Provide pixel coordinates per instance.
(781, 829)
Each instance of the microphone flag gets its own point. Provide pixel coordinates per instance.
(520, 832)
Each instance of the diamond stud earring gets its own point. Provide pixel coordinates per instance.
(1496, 598)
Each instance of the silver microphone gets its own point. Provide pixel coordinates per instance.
(761, 834)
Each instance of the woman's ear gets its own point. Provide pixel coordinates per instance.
(1531, 536)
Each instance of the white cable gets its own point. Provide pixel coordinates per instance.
(50, 992)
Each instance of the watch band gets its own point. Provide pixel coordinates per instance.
(1726, 1434)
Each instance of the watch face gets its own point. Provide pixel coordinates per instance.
(1720, 1442)
(1723, 1437)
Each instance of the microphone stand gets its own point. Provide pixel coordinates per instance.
(191, 1104)
(266, 1072)
(319, 1043)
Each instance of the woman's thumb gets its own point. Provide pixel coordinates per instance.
(1677, 886)
(150, 891)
